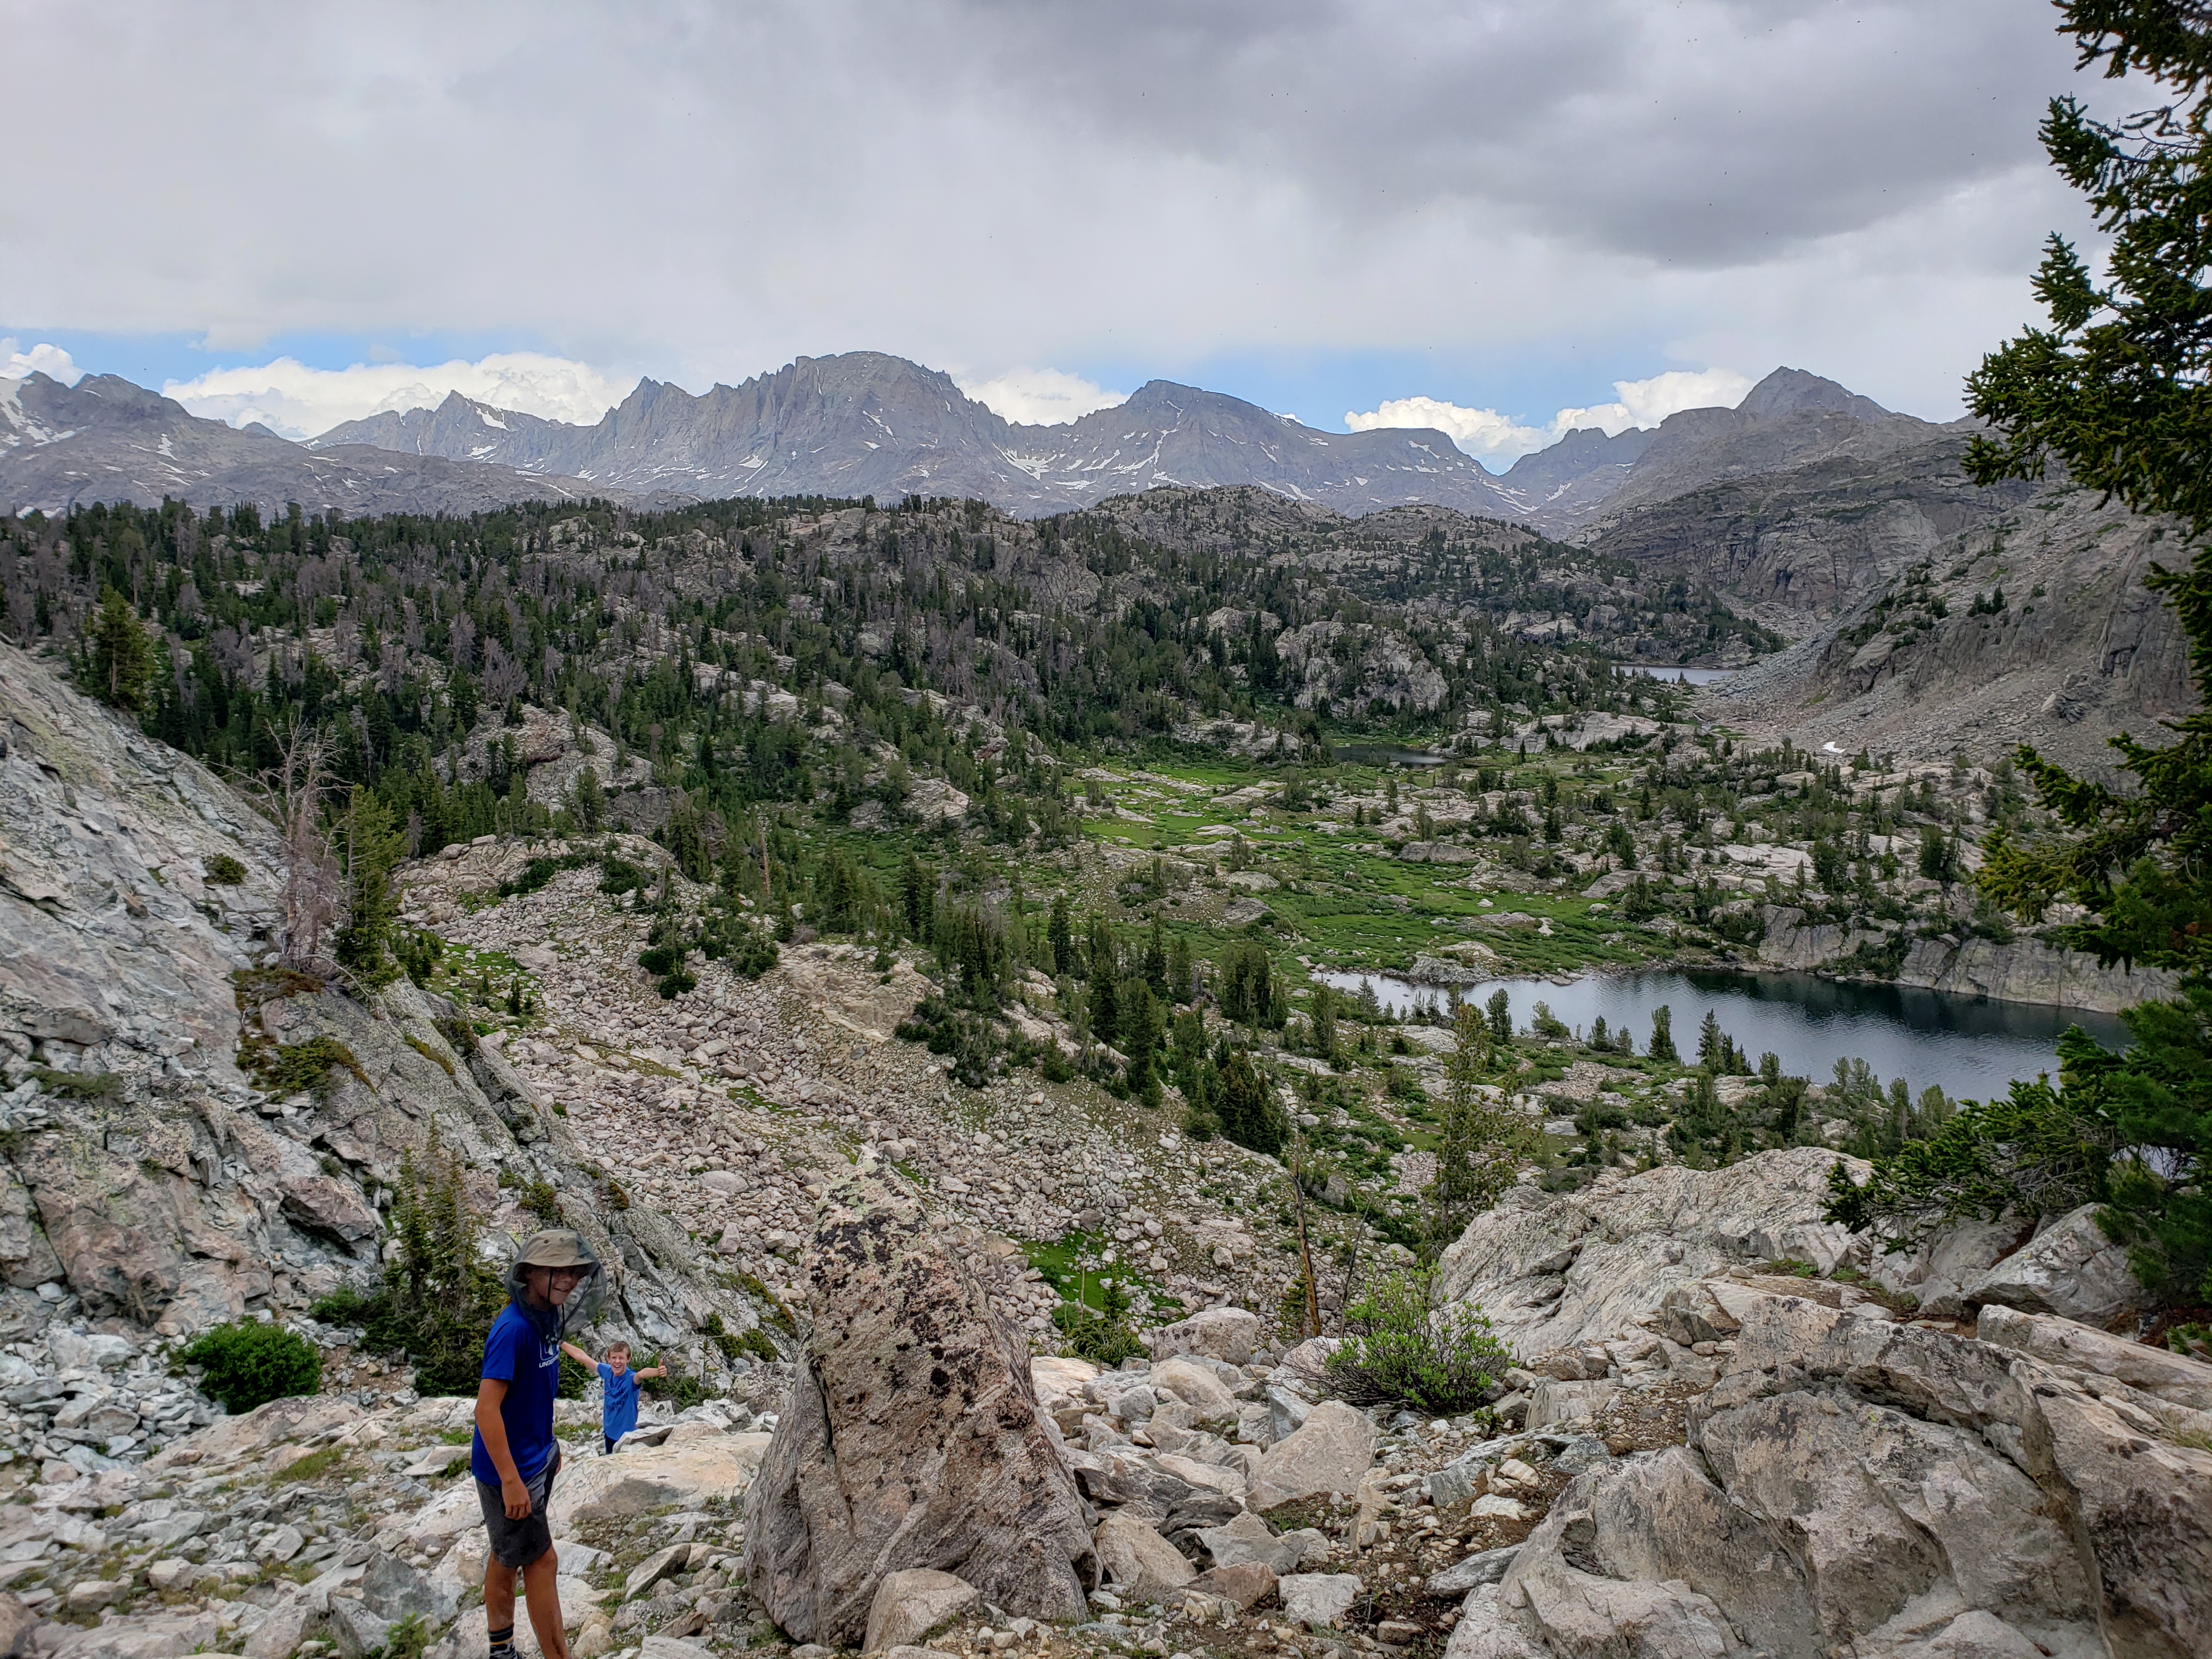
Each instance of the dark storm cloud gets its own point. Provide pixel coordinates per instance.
(705, 190)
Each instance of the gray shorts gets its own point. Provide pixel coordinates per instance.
(518, 1543)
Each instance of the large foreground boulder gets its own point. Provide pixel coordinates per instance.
(914, 1438)
(1857, 1486)
(1229, 1333)
(1331, 1453)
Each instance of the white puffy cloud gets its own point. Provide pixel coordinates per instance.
(1483, 433)
(1647, 402)
(1488, 436)
(40, 359)
(1040, 396)
(296, 401)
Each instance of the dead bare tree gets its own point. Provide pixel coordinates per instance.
(292, 794)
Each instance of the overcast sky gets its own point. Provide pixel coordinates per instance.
(1485, 215)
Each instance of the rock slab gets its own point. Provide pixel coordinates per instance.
(1226, 1333)
(910, 1605)
(1855, 1484)
(1137, 1561)
(2070, 1270)
(914, 1437)
(1318, 1599)
(1331, 1452)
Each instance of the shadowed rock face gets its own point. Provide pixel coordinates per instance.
(914, 1438)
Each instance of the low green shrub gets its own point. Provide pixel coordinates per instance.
(539, 871)
(78, 1085)
(296, 1068)
(1398, 1349)
(406, 1640)
(249, 1364)
(1101, 1335)
(224, 871)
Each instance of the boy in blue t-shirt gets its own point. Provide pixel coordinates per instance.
(618, 1384)
(514, 1456)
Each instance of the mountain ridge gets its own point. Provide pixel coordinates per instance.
(107, 439)
(862, 423)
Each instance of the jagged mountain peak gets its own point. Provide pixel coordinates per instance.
(1797, 390)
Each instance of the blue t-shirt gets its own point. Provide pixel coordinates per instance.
(620, 1416)
(528, 1360)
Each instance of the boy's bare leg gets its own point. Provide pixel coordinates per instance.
(499, 1595)
(541, 1588)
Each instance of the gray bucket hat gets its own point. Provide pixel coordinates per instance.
(560, 1247)
(557, 1247)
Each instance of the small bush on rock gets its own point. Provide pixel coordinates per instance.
(249, 1364)
(1102, 1335)
(1399, 1351)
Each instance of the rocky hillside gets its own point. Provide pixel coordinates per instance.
(1794, 546)
(194, 1134)
(1699, 1451)
(106, 439)
(863, 423)
(2031, 626)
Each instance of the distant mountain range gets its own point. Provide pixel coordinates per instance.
(107, 440)
(864, 424)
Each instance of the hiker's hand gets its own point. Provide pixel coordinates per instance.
(516, 1497)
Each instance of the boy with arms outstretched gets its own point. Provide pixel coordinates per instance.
(619, 1415)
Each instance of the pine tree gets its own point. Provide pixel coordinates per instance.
(1483, 1143)
(1060, 936)
(918, 893)
(373, 849)
(1663, 1035)
(1711, 1053)
(1249, 1114)
(118, 654)
(1323, 1015)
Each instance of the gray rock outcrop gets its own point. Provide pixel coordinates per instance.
(148, 1174)
(2070, 1269)
(1225, 1334)
(1852, 1482)
(1331, 1452)
(914, 1437)
(1551, 1270)
(912, 1605)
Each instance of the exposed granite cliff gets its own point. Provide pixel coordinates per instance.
(146, 1174)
